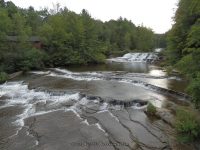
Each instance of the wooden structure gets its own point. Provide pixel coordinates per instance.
(34, 40)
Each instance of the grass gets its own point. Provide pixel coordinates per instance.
(151, 109)
(187, 125)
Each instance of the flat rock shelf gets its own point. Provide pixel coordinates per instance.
(99, 107)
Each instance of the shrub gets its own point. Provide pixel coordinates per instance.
(32, 59)
(151, 109)
(194, 89)
(3, 77)
(187, 125)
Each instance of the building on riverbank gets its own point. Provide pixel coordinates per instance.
(34, 40)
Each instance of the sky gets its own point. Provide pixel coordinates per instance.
(155, 14)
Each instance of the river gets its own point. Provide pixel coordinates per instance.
(89, 107)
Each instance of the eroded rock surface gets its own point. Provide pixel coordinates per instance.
(50, 112)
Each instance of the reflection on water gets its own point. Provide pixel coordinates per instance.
(137, 67)
(88, 79)
(174, 83)
(157, 72)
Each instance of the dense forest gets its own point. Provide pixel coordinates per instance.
(67, 38)
(183, 51)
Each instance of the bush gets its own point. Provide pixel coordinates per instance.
(187, 125)
(151, 109)
(3, 77)
(194, 89)
(32, 59)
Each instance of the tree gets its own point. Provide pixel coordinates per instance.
(68, 38)
(183, 48)
(33, 19)
(145, 39)
(2, 3)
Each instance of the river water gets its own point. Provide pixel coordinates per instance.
(105, 103)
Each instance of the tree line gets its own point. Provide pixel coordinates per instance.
(183, 53)
(68, 38)
(183, 48)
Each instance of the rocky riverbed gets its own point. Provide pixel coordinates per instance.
(100, 107)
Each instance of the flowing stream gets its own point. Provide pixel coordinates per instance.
(90, 107)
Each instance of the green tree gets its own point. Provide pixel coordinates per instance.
(145, 39)
(183, 49)
(68, 38)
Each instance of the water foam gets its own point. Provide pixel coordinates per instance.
(86, 76)
(75, 77)
(136, 57)
(18, 94)
(36, 103)
(100, 128)
(40, 72)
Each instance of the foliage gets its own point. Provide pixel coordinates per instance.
(183, 64)
(194, 89)
(183, 48)
(32, 59)
(68, 38)
(151, 109)
(144, 40)
(3, 77)
(187, 125)
(160, 40)
(184, 29)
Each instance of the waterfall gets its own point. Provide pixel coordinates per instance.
(137, 57)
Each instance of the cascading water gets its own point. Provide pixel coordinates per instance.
(53, 116)
(131, 78)
(136, 57)
(36, 102)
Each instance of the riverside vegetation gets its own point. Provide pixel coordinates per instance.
(151, 109)
(67, 38)
(183, 53)
(187, 125)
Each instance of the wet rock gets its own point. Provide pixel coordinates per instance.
(175, 145)
(142, 130)
(197, 145)
(172, 107)
(183, 98)
(59, 129)
(22, 140)
(111, 101)
(166, 116)
(113, 127)
(69, 103)
(128, 103)
(16, 74)
(170, 132)
(92, 109)
(40, 106)
(82, 95)
(92, 120)
(10, 111)
(119, 129)
(92, 97)
(2, 102)
(7, 122)
(3, 98)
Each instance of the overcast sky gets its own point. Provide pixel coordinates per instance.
(156, 14)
